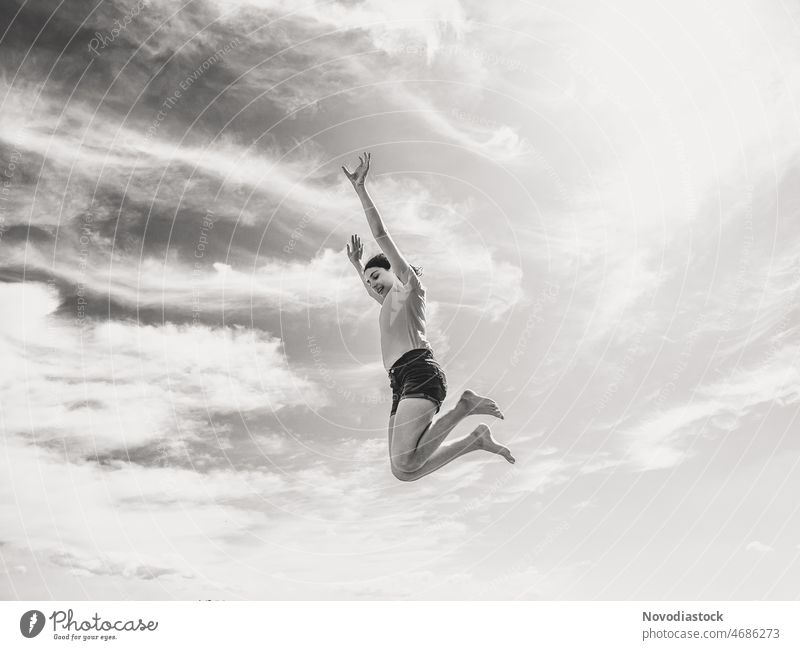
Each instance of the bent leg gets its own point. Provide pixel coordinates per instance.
(415, 440)
(480, 438)
(413, 417)
(468, 404)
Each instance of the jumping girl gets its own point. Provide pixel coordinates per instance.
(417, 381)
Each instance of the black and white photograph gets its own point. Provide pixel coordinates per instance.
(368, 300)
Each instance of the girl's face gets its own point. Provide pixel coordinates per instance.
(379, 279)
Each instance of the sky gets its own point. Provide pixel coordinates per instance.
(603, 197)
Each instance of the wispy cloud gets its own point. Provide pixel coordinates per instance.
(759, 547)
(666, 437)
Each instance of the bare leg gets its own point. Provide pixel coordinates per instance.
(432, 437)
(480, 438)
(416, 442)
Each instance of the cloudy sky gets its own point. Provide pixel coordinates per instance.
(604, 198)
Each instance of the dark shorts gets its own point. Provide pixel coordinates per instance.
(416, 374)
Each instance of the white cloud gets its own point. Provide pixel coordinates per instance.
(96, 147)
(662, 439)
(499, 142)
(389, 25)
(759, 547)
(118, 385)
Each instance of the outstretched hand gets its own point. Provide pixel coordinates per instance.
(355, 250)
(358, 176)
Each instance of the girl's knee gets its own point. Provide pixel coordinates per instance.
(406, 462)
(403, 469)
(400, 475)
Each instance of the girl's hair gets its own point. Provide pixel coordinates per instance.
(381, 261)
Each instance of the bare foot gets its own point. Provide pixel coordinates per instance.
(485, 441)
(477, 405)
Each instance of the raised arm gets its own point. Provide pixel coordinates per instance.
(354, 252)
(357, 178)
